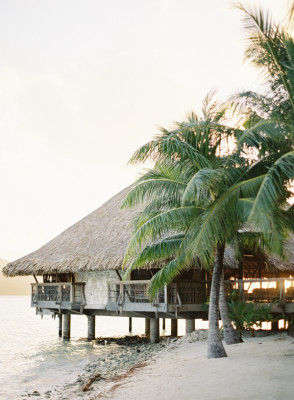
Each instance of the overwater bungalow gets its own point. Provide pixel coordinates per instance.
(80, 272)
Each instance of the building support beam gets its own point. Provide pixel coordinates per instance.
(91, 327)
(154, 330)
(174, 327)
(163, 324)
(147, 327)
(60, 325)
(290, 330)
(66, 326)
(190, 325)
(275, 326)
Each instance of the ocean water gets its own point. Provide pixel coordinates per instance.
(34, 358)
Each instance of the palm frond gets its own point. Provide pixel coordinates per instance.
(154, 189)
(202, 187)
(272, 188)
(172, 147)
(174, 220)
(268, 50)
(154, 208)
(217, 223)
(155, 254)
(273, 236)
(264, 133)
(165, 276)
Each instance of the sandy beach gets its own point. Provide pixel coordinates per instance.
(259, 368)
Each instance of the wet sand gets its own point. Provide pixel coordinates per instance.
(261, 367)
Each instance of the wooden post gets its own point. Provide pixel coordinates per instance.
(91, 327)
(121, 291)
(174, 327)
(165, 294)
(163, 324)
(59, 296)
(282, 291)
(147, 327)
(60, 325)
(290, 330)
(72, 293)
(190, 325)
(121, 296)
(66, 326)
(275, 326)
(130, 325)
(154, 330)
(241, 276)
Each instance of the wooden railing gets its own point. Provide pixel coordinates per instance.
(251, 290)
(263, 290)
(175, 293)
(58, 293)
(189, 292)
(128, 292)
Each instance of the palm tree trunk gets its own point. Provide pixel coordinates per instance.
(215, 346)
(231, 335)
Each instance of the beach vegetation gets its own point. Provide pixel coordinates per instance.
(246, 316)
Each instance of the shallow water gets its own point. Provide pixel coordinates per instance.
(33, 358)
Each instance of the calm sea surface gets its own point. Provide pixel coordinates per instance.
(32, 357)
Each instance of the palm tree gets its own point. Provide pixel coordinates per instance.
(204, 200)
(269, 116)
(191, 181)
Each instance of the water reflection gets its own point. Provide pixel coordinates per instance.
(32, 357)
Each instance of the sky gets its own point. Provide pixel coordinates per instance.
(84, 83)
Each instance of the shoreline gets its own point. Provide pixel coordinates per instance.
(117, 357)
(122, 357)
(183, 362)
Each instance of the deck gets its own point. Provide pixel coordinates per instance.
(58, 296)
(178, 299)
(174, 298)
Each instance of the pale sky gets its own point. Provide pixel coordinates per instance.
(84, 83)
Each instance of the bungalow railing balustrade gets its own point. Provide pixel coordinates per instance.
(254, 290)
(189, 292)
(128, 292)
(175, 293)
(251, 290)
(58, 293)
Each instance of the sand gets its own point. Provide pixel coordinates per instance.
(259, 368)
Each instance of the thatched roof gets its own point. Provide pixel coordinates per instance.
(276, 262)
(272, 263)
(98, 242)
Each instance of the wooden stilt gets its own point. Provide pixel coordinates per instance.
(60, 325)
(275, 326)
(163, 324)
(174, 327)
(91, 327)
(130, 325)
(290, 330)
(190, 325)
(147, 327)
(154, 330)
(66, 326)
